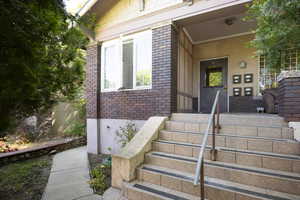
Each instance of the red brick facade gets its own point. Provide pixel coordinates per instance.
(93, 81)
(138, 104)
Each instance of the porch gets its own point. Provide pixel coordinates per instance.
(213, 55)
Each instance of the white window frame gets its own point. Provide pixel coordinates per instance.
(119, 43)
(107, 44)
(145, 10)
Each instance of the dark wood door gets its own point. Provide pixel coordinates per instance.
(213, 77)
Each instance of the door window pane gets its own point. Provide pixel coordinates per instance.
(214, 77)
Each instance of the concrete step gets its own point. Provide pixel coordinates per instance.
(232, 118)
(215, 189)
(263, 178)
(139, 190)
(233, 129)
(252, 143)
(289, 163)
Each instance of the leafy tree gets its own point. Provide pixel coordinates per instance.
(41, 57)
(278, 28)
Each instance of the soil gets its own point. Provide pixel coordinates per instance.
(25, 180)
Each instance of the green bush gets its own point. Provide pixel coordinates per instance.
(99, 178)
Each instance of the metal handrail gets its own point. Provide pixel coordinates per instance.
(200, 168)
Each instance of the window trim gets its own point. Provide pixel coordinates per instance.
(119, 43)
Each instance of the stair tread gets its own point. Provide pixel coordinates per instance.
(269, 154)
(237, 118)
(160, 191)
(222, 184)
(228, 124)
(233, 135)
(262, 171)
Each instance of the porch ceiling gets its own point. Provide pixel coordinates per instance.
(212, 25)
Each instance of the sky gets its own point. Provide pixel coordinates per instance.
(74, 5)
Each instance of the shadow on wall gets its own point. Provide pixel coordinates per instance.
(63, 115)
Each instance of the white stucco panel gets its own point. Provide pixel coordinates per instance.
(109, 141)
(296, 127)
(93, 139)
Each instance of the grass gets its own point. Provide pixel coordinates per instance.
(25, 180)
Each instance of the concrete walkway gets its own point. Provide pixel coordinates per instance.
(69, 177)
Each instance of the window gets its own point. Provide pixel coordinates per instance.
(152, 5)
(127, 62)
(290, 60)
(143, 57)
(268, 78)
(111, 72)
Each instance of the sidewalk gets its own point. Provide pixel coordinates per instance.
(69, 177)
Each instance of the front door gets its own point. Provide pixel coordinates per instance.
(213, 77)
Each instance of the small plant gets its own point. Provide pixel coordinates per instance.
(126, 133)
(76, 129)
(99, 178)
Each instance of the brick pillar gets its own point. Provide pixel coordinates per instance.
(164, 72)
(93, 97)
(289, 96)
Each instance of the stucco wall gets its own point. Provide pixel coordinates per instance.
(109, 141)
(125, 10)
(236, 50)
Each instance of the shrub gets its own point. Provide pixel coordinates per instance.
(100, 176)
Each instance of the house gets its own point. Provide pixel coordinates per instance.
(170, 58)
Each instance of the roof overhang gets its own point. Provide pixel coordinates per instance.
(86, 7)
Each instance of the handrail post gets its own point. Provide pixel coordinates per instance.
(213, 150)
(202, 180)
(218, 117)
(199, 175)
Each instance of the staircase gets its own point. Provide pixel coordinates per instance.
(257, 158)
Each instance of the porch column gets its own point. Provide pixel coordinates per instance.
(164, 72)
(93, 97)
(289, 99)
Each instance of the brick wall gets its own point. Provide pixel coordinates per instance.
(138, 104)
(93, 81)
(289, 99)
(247, 104)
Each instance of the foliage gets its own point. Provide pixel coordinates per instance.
(16, 180)
(5, 148)
(126, 133)
(77, 127)
(100, 174)
(41, 57)
(143, 78)
(278, 28)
